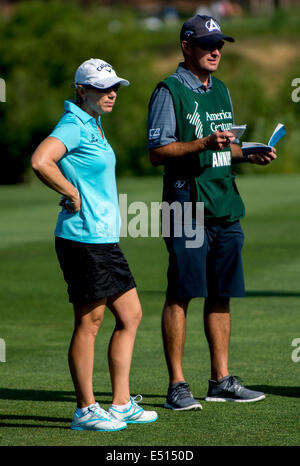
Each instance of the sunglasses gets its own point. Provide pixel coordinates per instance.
(114, 88)
(212, 47)
(208, 47)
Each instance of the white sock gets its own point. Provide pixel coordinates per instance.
(122, 407)
(82, 411)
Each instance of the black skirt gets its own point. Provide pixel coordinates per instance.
(93, 271)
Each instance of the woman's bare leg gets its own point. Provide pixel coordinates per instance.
(81, 352)
(128, 313)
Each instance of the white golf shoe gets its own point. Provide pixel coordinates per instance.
(97, 419)
(134, 414)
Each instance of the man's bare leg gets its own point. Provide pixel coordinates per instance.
(217, 331)
(173, 331)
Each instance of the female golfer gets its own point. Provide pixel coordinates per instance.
(77, 161)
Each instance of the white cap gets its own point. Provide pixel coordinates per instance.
(98, 73)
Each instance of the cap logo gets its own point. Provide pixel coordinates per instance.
(106, 66)
(211, 25)
(188, 33)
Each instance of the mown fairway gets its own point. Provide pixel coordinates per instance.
(36, 393)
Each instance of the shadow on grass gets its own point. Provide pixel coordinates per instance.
(250, 293)
(42, 419)
(271, 294)
(47, 395)
(35, 395)
(44, 395)
(50, 422)
(292, 392)
(104, 398)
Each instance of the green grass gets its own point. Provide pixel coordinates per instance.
(36, 393)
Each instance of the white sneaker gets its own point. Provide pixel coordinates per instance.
(97, 419)
(135, 414)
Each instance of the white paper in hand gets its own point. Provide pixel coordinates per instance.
(238, 131)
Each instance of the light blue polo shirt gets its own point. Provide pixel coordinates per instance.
(89, 164)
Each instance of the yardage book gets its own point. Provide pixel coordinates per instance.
(254, 147)
(238, 131)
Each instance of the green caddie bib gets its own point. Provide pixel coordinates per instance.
(197, 116)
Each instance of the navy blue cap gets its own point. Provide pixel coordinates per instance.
(204, 30)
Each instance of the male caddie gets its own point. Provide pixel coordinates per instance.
(190, 117)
